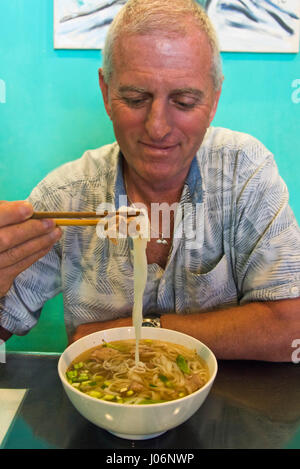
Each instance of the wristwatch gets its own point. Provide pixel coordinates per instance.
(151, 320)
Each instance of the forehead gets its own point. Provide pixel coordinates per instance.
(163, 56)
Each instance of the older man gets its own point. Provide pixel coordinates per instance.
(235, 285)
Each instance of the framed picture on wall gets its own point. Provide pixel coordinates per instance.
(242, 25)
(256, 25)
(82, 24)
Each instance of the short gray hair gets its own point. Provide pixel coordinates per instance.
(147, 16)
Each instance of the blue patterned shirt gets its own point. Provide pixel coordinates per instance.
(247, 246)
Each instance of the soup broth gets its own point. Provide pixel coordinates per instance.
(165, 372)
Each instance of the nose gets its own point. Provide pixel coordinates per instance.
(158, 121)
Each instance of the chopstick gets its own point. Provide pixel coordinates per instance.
(80, 218)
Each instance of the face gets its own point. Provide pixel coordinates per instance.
(161, 101)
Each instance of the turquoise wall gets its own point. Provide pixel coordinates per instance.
(51, 111)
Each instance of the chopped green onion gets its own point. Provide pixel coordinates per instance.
(72, 374)
(85, 383)
(96, 394)
(83, 377)
(109, 397)
(78, 365)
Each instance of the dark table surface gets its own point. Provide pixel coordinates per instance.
(251, 405)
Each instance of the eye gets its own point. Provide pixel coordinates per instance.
(135, 102)
(186, 100)
(185, 103)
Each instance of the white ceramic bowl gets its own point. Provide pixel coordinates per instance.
(136, 422)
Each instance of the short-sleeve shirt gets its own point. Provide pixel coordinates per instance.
(242, 243)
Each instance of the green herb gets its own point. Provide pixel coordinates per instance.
(163, 378)
(119, 348)
(182, 364)
(166, 381)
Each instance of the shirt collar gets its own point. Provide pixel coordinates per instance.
(120, 192)
(193, 181)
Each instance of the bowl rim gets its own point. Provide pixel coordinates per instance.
(135, 406)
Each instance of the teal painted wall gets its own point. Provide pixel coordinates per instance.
(51, 111)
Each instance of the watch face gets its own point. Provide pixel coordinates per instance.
(149, 322)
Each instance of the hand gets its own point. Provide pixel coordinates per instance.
(123, 224)
(22, 241)
(89, 328)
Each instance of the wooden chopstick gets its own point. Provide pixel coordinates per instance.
(79, 218)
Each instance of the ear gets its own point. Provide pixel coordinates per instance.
(105, 92)
(215, 105)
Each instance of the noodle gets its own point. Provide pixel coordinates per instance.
(140, 279)
(167, 371)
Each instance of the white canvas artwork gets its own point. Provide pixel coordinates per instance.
(242, 25)
(82, 24)
(256, 25)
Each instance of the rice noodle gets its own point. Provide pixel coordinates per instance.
(157, 376)
(140, 280)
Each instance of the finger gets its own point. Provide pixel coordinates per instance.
(17, 254)
(14, 235)
(8, 275)
(14, 212)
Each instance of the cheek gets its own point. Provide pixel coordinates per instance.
(126, 123)
(193, 126)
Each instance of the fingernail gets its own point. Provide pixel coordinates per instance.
(48, 223)
(26, 209)
(56, 234)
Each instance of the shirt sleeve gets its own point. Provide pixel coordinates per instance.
(267, 237)
(21, 307)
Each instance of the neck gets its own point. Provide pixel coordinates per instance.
(142, 191)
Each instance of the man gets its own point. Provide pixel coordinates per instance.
(236, 285)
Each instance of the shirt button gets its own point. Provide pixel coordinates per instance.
(294, 291)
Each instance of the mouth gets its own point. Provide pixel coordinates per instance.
(159, 148)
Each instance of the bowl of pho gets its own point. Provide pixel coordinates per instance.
(137, 389)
